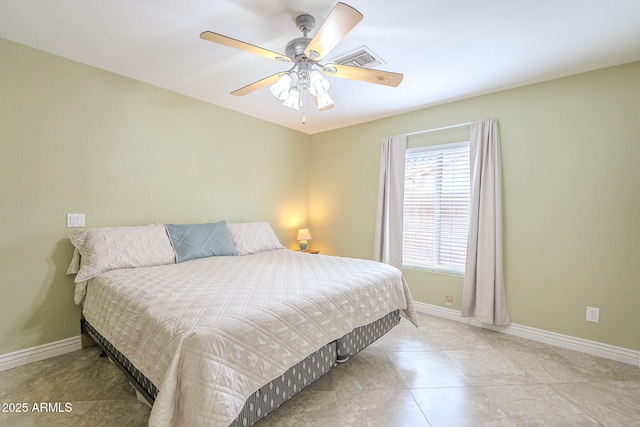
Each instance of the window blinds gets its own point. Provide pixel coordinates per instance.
(436, 207)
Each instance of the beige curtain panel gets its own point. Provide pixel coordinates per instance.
(388, 238)
(483, 293)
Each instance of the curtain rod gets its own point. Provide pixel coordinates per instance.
(438, 129)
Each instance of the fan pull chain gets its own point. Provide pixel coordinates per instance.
(303, 107)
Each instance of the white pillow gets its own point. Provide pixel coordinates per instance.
(253, 237)
(74, 265)
(111, 248)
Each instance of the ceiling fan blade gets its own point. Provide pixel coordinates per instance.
(342, 19)
(257, 85)
(380, 77)
(237, 44)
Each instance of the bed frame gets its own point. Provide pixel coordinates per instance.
(277, 391)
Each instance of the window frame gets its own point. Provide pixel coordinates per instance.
(436, 268)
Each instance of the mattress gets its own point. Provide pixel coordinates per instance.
(210, 332)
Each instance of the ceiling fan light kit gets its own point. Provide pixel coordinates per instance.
(305, 52)
(292, 86)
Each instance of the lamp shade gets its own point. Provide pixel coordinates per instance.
(280, 89)
(303, 234)
(318, 85)
(293, 99)
(324, 102)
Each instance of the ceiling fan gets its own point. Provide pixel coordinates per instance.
(306, 53)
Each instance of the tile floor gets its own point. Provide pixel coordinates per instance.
(444, 373)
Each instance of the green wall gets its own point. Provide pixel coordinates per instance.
(571, 180)
(77, 139)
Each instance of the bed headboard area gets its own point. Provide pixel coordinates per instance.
(98, 250)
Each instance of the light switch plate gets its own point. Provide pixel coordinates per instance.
(75, 220)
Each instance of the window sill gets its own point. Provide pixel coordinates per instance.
(433, 270)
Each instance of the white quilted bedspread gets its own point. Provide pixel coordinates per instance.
(209, 332)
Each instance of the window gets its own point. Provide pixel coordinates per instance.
(436, 208)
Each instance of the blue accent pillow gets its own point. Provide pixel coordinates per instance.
(192, 241)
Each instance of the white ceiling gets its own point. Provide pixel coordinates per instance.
(446, 49)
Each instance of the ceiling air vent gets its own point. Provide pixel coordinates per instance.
(362, 57)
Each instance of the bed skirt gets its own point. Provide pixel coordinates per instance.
(277, 391)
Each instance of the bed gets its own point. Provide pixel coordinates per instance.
(222, 338)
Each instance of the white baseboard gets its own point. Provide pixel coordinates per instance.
(594, 348)
(41, 352)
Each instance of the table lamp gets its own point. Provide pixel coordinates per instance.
(303, 236)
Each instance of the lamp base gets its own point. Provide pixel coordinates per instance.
(303, 245)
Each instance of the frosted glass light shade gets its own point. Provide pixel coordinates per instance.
(317, 84)
(280, 89)
(324, 101)
(293, 99)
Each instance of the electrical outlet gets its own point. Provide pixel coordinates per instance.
(593, 314)
(449, 300)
